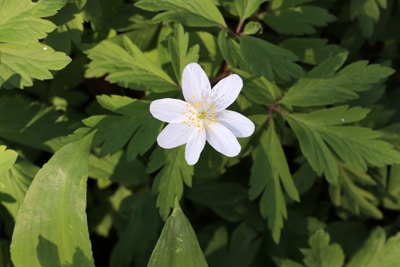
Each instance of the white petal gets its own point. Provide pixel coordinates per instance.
(223, 140)
(194, 146)
(238, 124)
(173, 135)
(195, 83)
(169, 110)
(226, 91)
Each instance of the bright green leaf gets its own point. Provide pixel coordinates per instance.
(377, 251)
(320, 87)
(7, 158)
(252, 27)
(20, 63)
(177, 245)
(201, 13)
(14, 183)
(20, 21)
(297, 19)
(320, 253)
(127, 66)
(133, 126)
(268, 59)
(246, 8)
(169, 181)
(51, 227)
(178, 46)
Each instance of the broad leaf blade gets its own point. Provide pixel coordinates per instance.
(177, 245)
(7, 158)
(51, 227)
(21, 21)
(20, 63)
(127, 66)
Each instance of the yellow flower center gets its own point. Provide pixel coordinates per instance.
(202, 115)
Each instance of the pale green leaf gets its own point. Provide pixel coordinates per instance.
(133, 126)
(169, 181)
(21, 21)
(269, 60)
(201, 13)
(7, 158)
(177, 245)
(298, 19)
(14, 183)
(51, 227)
(181, 54)
(127, 66)
(20, 63)
(377, 251)
(252, 27)
(246, 8)
(321, 253)
(320, 87)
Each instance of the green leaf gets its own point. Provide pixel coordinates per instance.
(323, 137)
(269, 60)
(7, 158)
(169, 181)
(230, 50)
(196, 13)
(320, 87)
(367, 13)
(127, 66)
(20, 63)
(133, 125)
(51, 227)
(178, 46)
(14, 183)
(352, 197)
(246, 8)
(377, 251)
(312, 50)
(392, 199)
(297, 19)
(20, 21)
(320, 253)
(252, 27)
(177, 245)
(269, 171)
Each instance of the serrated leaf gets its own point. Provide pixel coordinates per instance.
(133, 126)
(51, 227)
(21, 21)
(269, 60)
(268, 172)
(20, 63)
(14, 183)
(7, 158)
(127, 66)
(321, 253)
(230, 50)
(246, 8)
(297, 19)
(319, 89)
(181, 55)
(177, 245)
(377, 251)
(367, 13)
(200, 13)
(323, 137)
(169, 181)
(351, 196)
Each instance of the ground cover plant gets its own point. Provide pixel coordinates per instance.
(115, 151)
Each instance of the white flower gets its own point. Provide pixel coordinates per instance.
(203, 116)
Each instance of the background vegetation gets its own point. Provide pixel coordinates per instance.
(83, 182)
